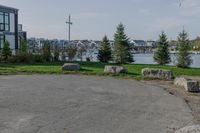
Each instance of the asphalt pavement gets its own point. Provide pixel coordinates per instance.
(87, 104)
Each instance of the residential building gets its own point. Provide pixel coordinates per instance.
(141, 46)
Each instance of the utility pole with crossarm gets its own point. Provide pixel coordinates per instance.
(70, 23)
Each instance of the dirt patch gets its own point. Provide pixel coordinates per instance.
(192, 99)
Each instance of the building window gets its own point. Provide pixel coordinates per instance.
(4, 21)
(1, 21)
(2, 39)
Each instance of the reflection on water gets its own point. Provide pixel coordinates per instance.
(148, 59)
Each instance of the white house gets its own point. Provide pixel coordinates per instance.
(9, 26)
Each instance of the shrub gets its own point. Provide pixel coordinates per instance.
(13, 59)
(38, 58)
(6, 51)
(88, 59)
(25, 57)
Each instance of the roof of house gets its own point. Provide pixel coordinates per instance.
(139, 41)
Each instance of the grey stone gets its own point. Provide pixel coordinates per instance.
(115, 69)
(157, 73)
(71, 67)
(189, 84)
(189, 129)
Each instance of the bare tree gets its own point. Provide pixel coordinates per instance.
(71, 52)
(81, 52)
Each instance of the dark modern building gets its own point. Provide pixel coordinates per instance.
(22, 34)
(10, 30)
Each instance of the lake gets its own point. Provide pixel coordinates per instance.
(148, 59)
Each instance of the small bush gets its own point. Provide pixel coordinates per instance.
(88, 59)
(25, 57)
(13, 59)
(6, 51)
(38, 58)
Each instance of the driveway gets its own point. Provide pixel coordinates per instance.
(87, 104)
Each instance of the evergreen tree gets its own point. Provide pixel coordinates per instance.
(6, 51)
(23, 49)
(22, 53)
(162, 55)
(105, 54)
(122, 51)
(46, 52)
(183, 58)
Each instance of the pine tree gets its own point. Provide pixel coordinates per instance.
(105, 54)
(122, 51)
(183, 58)
(162, 55)
(6, 51)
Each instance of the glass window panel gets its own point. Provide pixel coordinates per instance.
(1, 18)
(1, 41)
(4, 22)
(2, 27)
(6, 19)
(6, 27)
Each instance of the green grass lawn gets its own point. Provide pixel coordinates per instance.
(90, 68)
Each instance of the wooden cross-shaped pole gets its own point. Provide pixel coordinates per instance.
(180, 3)
(70, 23)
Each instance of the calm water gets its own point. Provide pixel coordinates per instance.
(148, 59)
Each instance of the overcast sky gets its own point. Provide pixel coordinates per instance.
(144, 19)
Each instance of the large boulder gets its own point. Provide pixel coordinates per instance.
(71, 67)
(189, 84)
(157, 73)
(115, 69)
